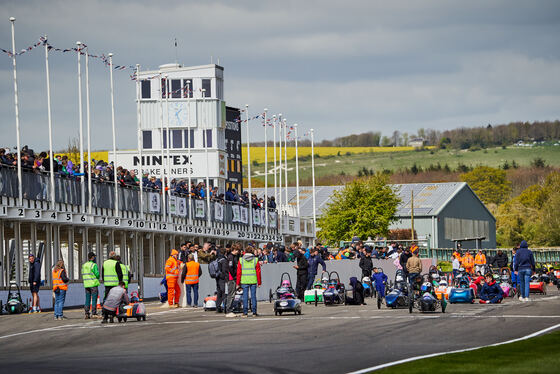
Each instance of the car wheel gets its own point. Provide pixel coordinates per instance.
(138, 319)
(143, 318)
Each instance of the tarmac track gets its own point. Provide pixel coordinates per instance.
(334, 339)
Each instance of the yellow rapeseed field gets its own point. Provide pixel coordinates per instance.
(257, 153)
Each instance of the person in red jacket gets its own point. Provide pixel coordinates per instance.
(249, 278)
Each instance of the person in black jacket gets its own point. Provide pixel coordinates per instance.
(221, 279)
(366, 264)
(302, 270)
(232, 260)
(403, 259)
(34, 281)
(500, 260)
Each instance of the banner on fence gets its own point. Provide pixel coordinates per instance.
(182, 206)
(236, 216)
(244, 214)
(218, 212)
(273, 220)
(256, 217)
(199, 209)
(263, 217)
(154, 202)
(173, 205)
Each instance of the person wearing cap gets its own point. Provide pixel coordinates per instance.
(414, 265)
(172, 275)
(479, 260)
(90, 276)
(34, 282)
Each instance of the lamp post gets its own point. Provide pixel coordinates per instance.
(16, 104)
(114, 136)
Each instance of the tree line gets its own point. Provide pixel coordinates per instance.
(459, 138)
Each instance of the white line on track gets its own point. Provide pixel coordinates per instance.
(382, 366)
(94, 325)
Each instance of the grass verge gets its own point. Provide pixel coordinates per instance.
(535, 355)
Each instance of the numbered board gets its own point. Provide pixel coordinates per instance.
(133, 224)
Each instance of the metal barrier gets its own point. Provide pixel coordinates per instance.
(36, 186)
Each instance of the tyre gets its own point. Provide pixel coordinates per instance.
(119, 319)
(124, 319)
(280, 313)
(143, 318)
(295, 312)
(270, 296)
(299, 312)
(275, 313)
(139, 319)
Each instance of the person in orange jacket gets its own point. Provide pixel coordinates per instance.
(457, 254)
(479, 260)
(468, 262)
(172, 276)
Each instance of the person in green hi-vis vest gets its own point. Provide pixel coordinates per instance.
(125, 272)
(90, 276)
(112, 273)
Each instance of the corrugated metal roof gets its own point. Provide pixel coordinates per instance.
(429, 198)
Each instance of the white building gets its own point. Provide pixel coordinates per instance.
(189, 102)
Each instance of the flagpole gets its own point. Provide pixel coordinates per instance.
(49, 119)
(265, 172)
(313, 184)
(16, 104)
(81, 122)
(162, 167)
(249, 170)
(207, 163)
(280, 198)
(168, 179)
(114, 136)
(286, 161)
(274, 143)
(140, 140)
(189, 153)
(297, 171)
(88, 129)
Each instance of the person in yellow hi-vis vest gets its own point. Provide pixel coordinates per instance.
(249, 278)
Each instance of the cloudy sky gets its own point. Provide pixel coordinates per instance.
(340, 67)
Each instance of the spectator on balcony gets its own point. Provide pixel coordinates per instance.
(245, 198)
(272, 202)
(229, 195)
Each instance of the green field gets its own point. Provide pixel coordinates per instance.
(351, 164)
(536, 355)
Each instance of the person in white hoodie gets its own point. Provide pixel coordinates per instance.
(456, 266)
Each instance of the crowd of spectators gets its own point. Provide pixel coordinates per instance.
(103, 172)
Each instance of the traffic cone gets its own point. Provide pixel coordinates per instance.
(98, 304)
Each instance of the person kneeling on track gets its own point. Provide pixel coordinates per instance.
(491, 292)
(116, 296)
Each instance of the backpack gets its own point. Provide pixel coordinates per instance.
(214, 269)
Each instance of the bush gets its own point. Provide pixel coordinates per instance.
(538, 163)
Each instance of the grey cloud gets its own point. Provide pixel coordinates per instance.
(365, 65)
